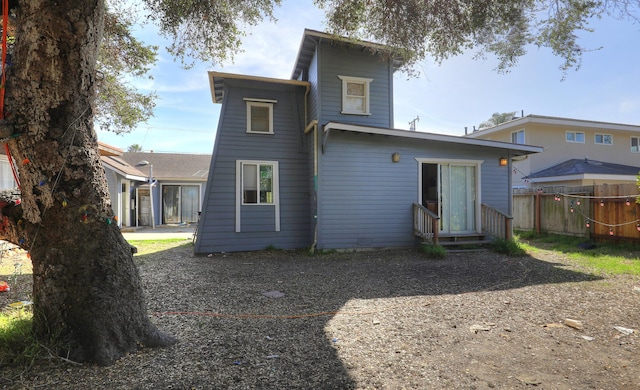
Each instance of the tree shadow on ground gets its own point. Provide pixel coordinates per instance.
(233, 335)
(291, 330)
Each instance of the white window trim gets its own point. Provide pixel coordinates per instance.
(637, 142)
(575, 133)
(259, 103)
(276, 192)
(603, 135)
(367, 95)
(524, 137)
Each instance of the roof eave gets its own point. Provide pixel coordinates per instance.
(216, 82)
(309, 35)
(581, 176)
(518, 148)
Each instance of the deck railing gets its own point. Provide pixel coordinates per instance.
(425, 223)
(496, 223)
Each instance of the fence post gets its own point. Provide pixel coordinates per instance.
(537, 213)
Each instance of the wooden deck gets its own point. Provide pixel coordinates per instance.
(495, 225)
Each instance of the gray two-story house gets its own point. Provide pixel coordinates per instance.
(314, 161)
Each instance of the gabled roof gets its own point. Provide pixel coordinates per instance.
(121, 167)
(516, 149)
(172, 166)
(550, 120)
(311, 38)
(580, 168)
(217, 79)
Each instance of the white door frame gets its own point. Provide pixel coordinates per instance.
(441, 161)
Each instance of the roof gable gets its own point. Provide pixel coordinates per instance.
(311, 38)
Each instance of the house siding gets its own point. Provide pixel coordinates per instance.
(366, 200)
(287, 146)
(340, 61)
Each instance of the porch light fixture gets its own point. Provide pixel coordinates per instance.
(395, 157)
(503, 161)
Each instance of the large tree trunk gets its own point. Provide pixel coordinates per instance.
(87, 290)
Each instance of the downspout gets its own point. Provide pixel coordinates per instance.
(313, 125)
(510, 200)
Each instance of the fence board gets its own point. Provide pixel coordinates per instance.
(577, 206)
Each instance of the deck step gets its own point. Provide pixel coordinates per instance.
(463, 242)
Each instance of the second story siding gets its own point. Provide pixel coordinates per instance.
(336, 61)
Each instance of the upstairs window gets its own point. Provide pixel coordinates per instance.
(517, 137)
(603, 139)
(575, 136)
(260, 116)
(635, 144)
(355, 95)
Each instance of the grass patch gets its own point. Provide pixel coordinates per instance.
(603, 258)
(146, 247)
(434, 251)
(18, 346)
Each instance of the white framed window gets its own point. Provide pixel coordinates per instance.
(257, 185)
(517, 137)
(355, 95)
(257, 180)
(635, 144)
(603, 139)
(575, 136)
(260, 116)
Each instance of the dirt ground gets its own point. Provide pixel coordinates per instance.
(372, 320)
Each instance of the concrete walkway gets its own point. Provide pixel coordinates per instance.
(161, 232)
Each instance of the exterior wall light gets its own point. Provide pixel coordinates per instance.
(395, 157)
(503, 161)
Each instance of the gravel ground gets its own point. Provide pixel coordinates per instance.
(373, 320)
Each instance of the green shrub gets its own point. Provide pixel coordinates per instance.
(434, 251)
(508, 247)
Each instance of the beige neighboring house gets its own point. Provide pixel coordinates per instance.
(576, 152)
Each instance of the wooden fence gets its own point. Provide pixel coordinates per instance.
(603, 212)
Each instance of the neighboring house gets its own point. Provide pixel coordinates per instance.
(179, 183)
(314, 161)
(576, 152)
(122, 178)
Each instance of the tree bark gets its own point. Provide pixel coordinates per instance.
(87, 291)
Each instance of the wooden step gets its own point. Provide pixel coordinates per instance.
(463, 242)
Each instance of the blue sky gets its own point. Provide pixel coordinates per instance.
(447, 97)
